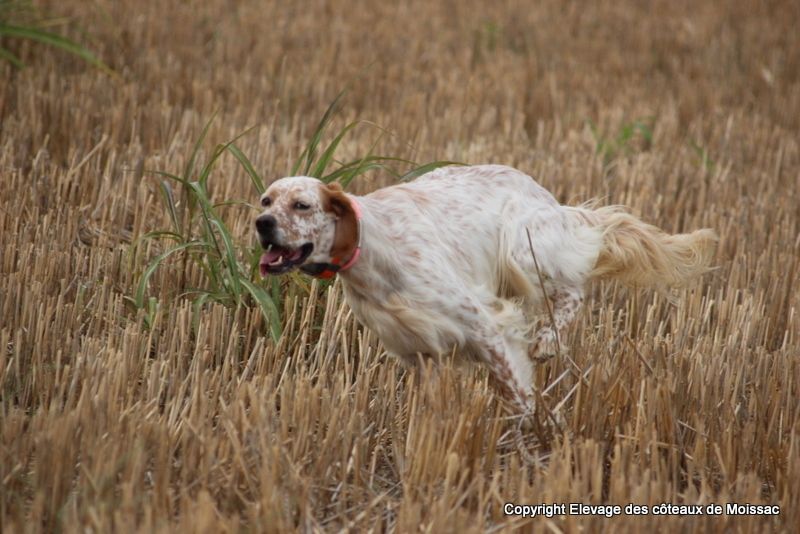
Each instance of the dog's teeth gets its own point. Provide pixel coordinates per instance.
(278, 261)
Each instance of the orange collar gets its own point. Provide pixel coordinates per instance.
(326, 271)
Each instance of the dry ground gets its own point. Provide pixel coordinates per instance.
(110, 426)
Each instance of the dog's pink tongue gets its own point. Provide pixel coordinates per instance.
(267, 258)
(271, 255)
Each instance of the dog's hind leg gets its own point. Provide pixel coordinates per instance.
(555, 255)
(564, 304)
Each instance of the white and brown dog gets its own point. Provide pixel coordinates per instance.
(463, 257)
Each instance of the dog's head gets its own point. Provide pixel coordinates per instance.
(304, 221)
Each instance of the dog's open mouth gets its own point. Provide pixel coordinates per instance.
(277, 259)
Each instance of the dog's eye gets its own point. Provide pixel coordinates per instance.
(301, 206)
(266, 201)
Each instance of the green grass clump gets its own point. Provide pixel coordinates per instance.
(610, 147)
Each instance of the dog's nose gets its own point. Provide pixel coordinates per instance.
(265, 224)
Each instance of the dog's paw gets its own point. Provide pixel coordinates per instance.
(543, 357)
(545, 350)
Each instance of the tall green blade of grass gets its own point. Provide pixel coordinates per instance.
(197, 305)
(200, 196)
(169, 201)
(158, 234)
(348, 177)
(311, 148)
(51, 39)
(230, 258)
(360, 166)
(172, 177)
(255, 178)
(188, 170)
(11, 58)
(151, 268)
(267, 306)
(368, 163)
(218, 151)
(426, 168)
(327, 155)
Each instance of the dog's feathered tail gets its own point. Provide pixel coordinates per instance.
(640, 254)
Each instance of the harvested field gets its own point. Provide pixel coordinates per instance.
(187, 416)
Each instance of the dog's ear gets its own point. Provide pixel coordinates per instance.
(334, 200)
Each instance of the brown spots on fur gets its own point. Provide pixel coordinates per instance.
(565, 306)
(418, 197)
(504, 382)
(382, 194)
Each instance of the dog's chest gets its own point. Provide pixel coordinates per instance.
(372, 309)
(404, 327)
